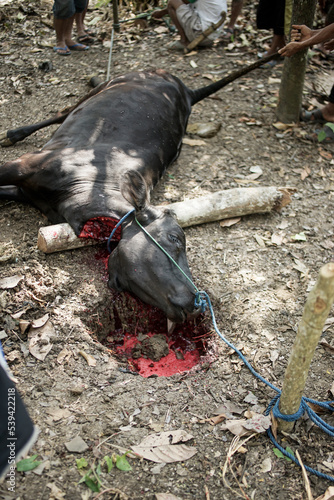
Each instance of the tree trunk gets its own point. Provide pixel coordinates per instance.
(292, 81)
(316, 310)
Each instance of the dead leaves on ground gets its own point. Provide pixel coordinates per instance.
(165, 447)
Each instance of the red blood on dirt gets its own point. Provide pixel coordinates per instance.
(185, 346)
(133, 322)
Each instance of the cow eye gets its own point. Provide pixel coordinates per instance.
(174, 239)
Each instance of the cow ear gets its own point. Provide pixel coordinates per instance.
(134, 189)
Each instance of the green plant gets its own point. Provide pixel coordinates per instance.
(92, 478)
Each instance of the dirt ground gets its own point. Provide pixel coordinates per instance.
(257, 273)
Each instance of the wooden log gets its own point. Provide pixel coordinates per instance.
(230, 203)
(209, 208)
(60, 237)
(316, 310)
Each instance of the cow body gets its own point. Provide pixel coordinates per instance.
(105, 159)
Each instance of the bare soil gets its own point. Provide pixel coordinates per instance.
(257, 273)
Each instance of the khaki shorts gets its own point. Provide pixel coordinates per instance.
(190, 21)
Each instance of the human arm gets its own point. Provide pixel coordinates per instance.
(307, 38)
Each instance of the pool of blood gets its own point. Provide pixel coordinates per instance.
(187, 343)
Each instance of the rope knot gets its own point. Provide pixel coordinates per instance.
(200, 302)
(288, 418)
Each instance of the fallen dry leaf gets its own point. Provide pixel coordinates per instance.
(39, 340)
(10, 282)
(64, 355)
(55, 493)
(58, 413)
(91, 361)
(277, 239)
(328, 495)
(325, 154)
(305, 173)
(283, 126)
(193, 142)
(162, 447)
(214, 420)
(229, 222)
(37, 323)
(266, 465)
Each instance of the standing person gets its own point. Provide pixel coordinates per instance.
(303, 37)
(64, 12)
(271, 15)
(191, 18)
(236, 9)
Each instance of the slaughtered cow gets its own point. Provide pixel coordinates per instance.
(109, 152)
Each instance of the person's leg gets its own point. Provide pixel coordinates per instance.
(83, 33)
(172, 7)
(277, 43)
(63, 28)
(235, 13)
(323, 115)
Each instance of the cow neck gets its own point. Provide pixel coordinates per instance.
(100, 228)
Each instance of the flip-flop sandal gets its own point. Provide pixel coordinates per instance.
(78, 46)
(314, 116)
(322, 136)
(269, 64)
(62, 51)
(85, 38)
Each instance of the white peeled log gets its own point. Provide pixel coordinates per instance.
(60, 237)
(230, 203)
(209, 208)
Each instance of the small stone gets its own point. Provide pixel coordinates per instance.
(76, 445)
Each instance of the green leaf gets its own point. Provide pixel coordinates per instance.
(27, 464)
(81, 462)
(122, 463)
(98, 469)
(92, 483)
(109, 462)
(278, 453)
(322, 135)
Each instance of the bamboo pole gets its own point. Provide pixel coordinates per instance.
(316, 310)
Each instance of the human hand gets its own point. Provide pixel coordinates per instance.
(300, 33)
(290, 49)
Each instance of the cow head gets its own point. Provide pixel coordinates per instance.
(139, 266)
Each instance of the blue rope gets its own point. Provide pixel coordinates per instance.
(202, 300)
(304, 407)
(117, 226)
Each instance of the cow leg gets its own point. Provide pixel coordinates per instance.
(10, 137)
(12, 193)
